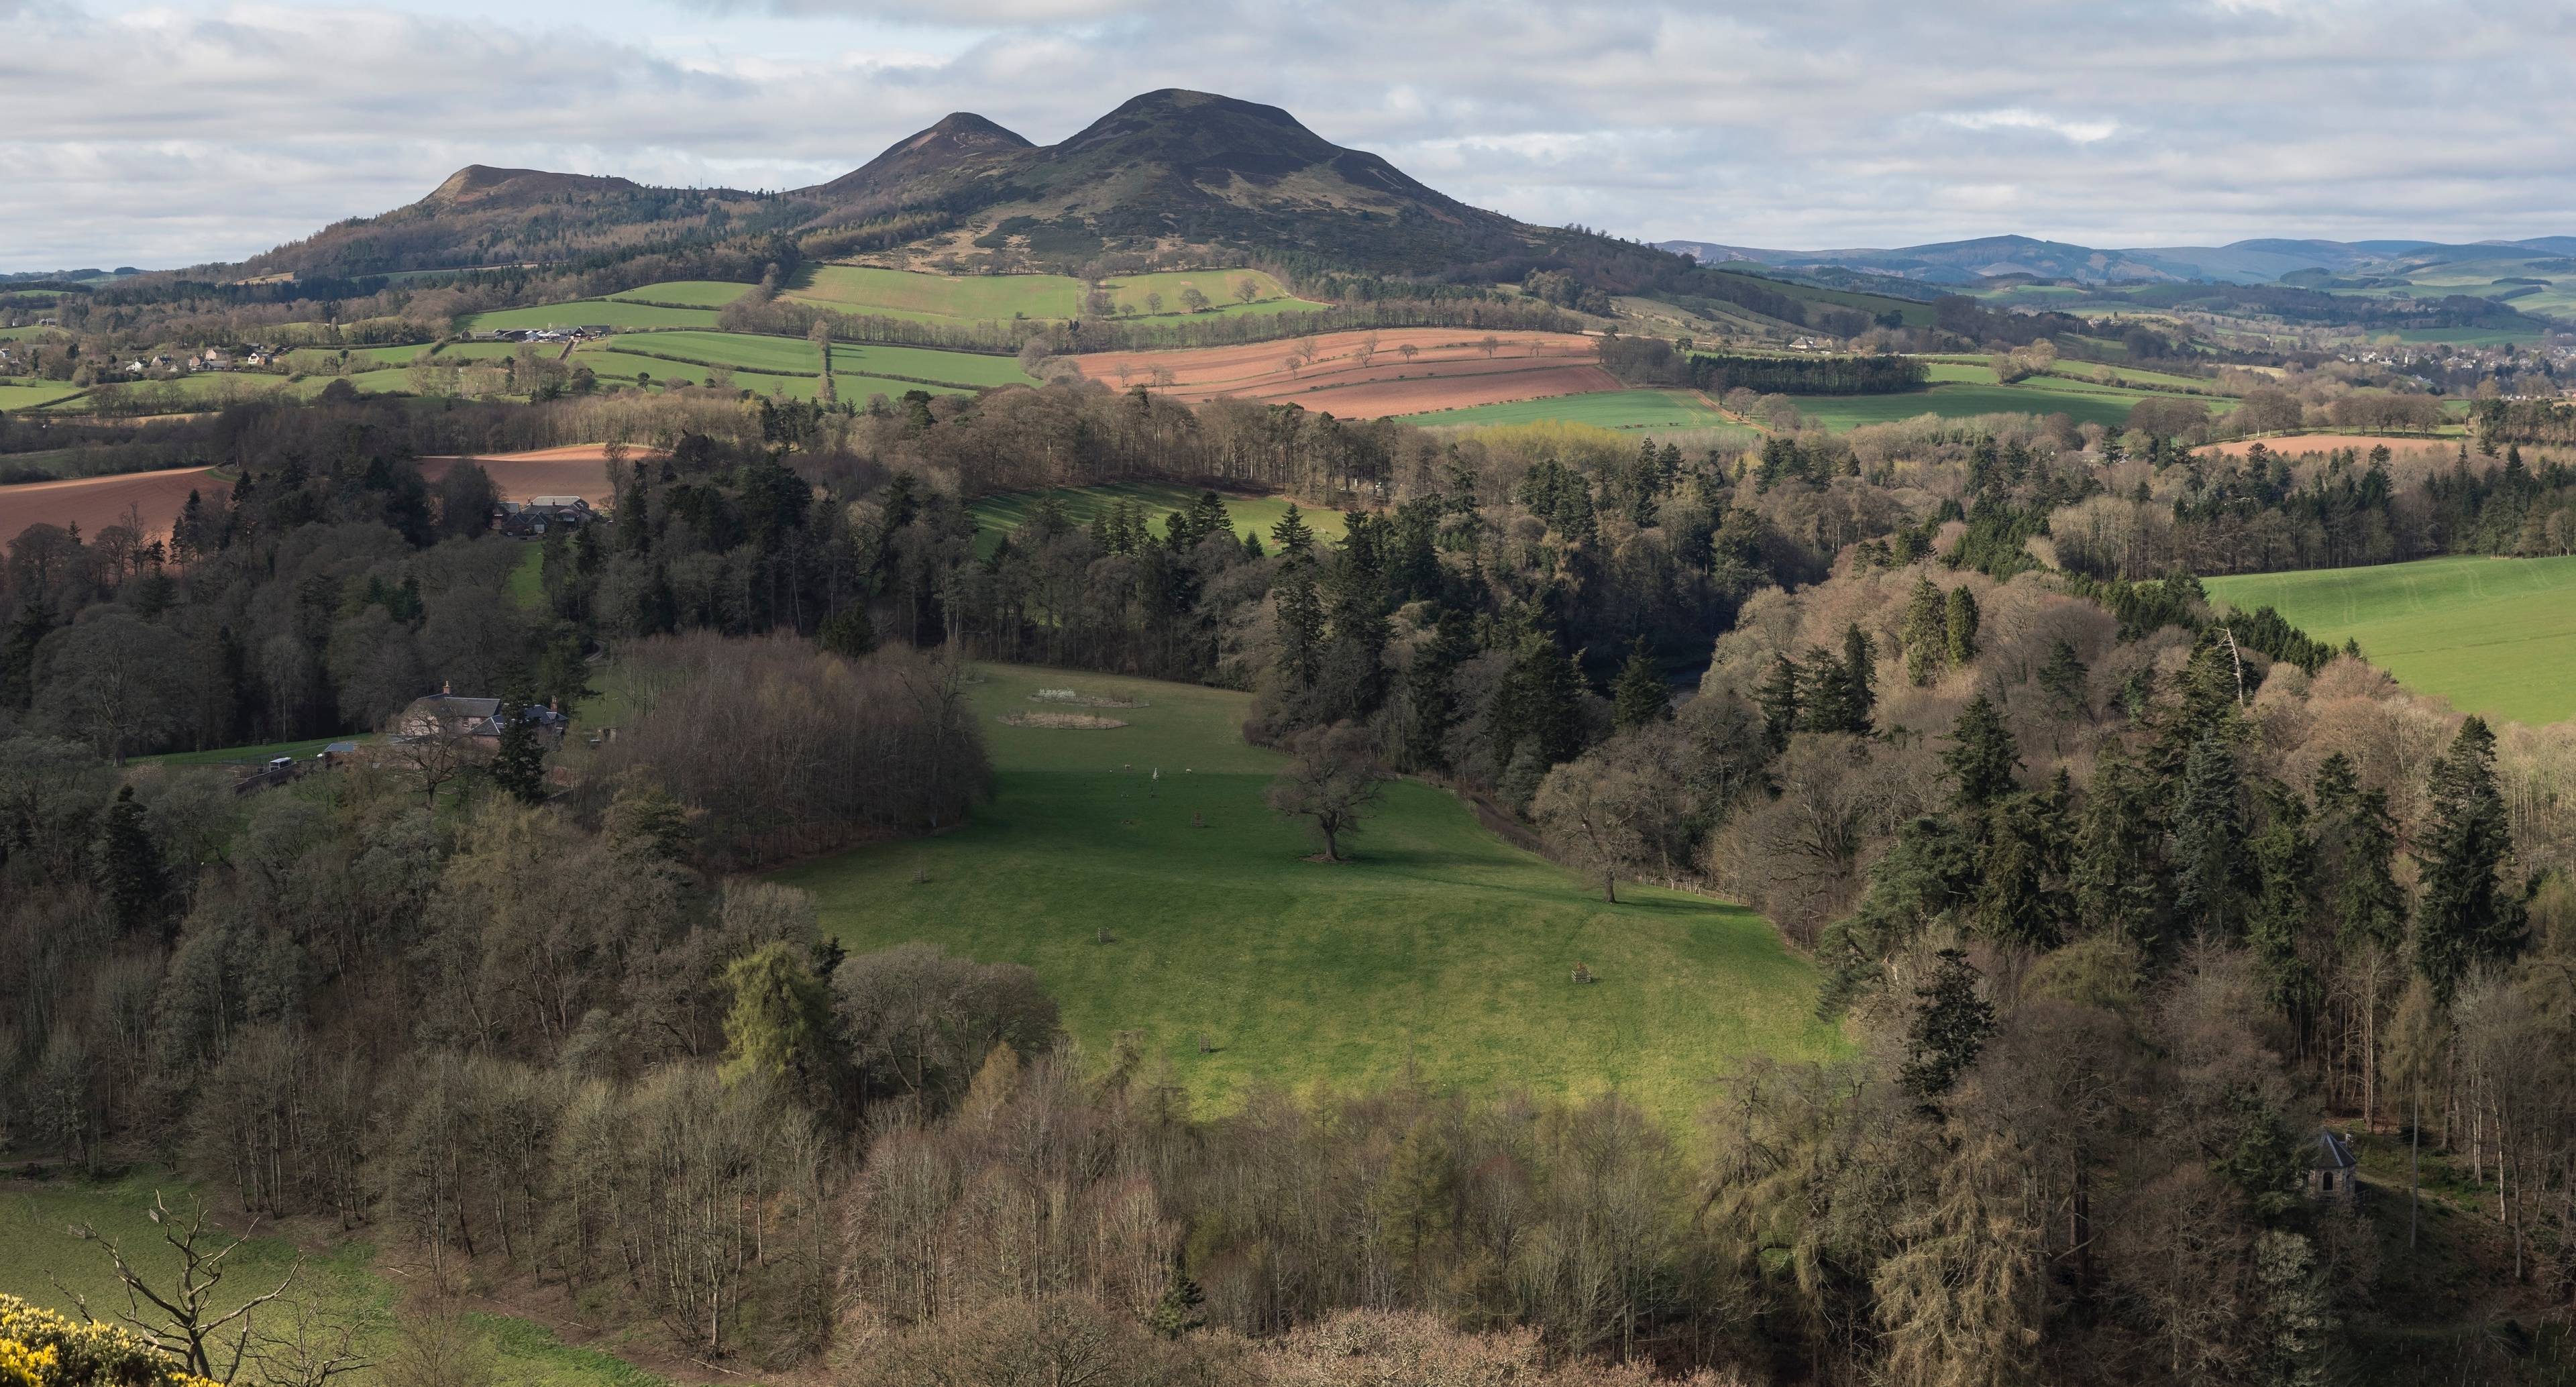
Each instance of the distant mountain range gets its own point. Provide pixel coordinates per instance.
(1167, 169)
(2241, 262)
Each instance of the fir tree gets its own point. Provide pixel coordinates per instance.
(2062, 680)
(1961, 623)
(2278, 918)
(2465, 916)
(1981, 755)
(1431, 696)
(1950, 1030)
(849, 634)
(1293, 536)
(2209, 836)
(1778, 699)
(2119, 871)
(2357, 855)
(129, 867)
(1860, 680)
(1926, 634)
(519, 765)
(2021, 897)
(1176, 1312)
(1640, 698)
(1301, 620)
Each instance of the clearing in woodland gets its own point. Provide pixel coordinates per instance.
(2494, 636)
(344, 1282)
(1369, 374)
(1440, 951)
(1004, 512)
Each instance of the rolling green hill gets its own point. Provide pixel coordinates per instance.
(1440, 950)
(2494, 636)
(1609, 409)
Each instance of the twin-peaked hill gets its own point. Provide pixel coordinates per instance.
(1166, 169)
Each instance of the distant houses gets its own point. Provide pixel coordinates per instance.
(541, 516)
(448, 716)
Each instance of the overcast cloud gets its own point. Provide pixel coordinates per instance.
(167, 135)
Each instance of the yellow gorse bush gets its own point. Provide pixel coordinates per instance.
(39, 1348)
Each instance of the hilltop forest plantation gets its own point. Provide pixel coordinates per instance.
(2121, 902)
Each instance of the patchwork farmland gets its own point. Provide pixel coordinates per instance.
(1368, 375)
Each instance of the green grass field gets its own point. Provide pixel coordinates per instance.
(970, 298)
(2494, 636)
(998, 515)
(32, 395)
(694, 293)
(590, 313)
(246, 755)
(338, 1283)
(1608, 409)
(796, 356)
(1440, 949)
(1962, 391)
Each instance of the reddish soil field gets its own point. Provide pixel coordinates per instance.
(94, 503)
(2329, 442)
(1450, 369)
(580, 469)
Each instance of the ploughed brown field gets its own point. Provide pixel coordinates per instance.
(1449, 370)
(2329, 442)
(579, 469)
(94, 503)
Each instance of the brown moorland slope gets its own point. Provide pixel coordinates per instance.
(1365, 375)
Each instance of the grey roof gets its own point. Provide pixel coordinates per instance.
(2332, 1153)
(458, 706)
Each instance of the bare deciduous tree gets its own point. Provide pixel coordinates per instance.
(1334, 779)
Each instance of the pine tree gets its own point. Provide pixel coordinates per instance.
(1177, 1311)
(2465, 916)
(1961, 621)
(1301, 621)
(848, 633)
(129, 865)
(1926, 634)
(1860, 680)
(1294, 537)
(2209, 836)
(2062, 679)
(519, 765)
(779, 1026)
(1431, 696)
(2282, 911)
(2021, 897)
(1982, 756)
(2119, 869)
(1778, 699)
(1640, 698)
(1950, 1030)
(2357, 854)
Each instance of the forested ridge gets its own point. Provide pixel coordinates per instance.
(2121, 900)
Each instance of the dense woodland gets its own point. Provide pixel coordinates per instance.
(2120, 900)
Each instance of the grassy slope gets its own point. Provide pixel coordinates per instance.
(337, 1282)
(1609, 409)
(1441, 948)
(997, 515)
(591, 313)
(25, 395)
(1963, 396)
(971, 298)
(698, 293)
(2494, 636)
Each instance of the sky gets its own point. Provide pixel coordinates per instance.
(162, 135)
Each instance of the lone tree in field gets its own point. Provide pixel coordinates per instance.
(1246, 290)
(1593, 813)
(1333, 779)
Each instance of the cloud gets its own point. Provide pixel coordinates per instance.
(164, 136)
(2018, 118)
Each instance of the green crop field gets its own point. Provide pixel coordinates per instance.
(338, 1282)
(742, 351)
(924, 363)
(937, 298)
(998, 515)
(1441, 950)
(2494, 636)
(796, 356)
(1608, 409)
(695, 293)
(590, 313)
